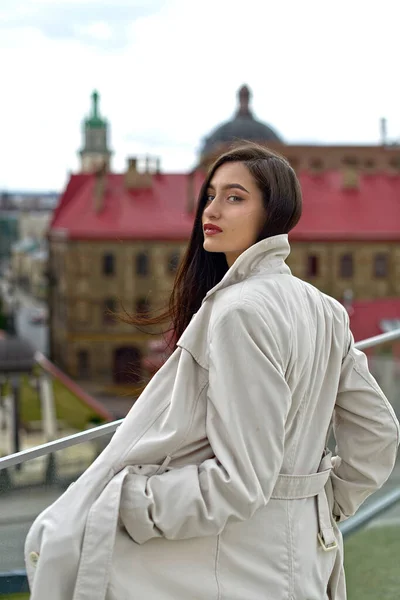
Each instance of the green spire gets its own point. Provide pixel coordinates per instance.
(95, 98)
(95, 121)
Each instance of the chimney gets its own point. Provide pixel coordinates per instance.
(99, 188)
(132, 163)
(383, 131)
(350, 179)
(135, 179)
(350, 174)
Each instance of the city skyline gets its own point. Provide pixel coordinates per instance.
(169, 74)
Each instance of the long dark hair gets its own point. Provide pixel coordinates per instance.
(200, 270)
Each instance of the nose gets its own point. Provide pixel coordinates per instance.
(212, 210)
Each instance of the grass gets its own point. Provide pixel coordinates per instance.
(69, 408)
(372, 564)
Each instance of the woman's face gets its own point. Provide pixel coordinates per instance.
(235, 211)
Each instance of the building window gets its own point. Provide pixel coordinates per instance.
(109, 308)
(350, 161)
(381, 265)
(142, 264)
(394, 163)
(173, 262)
(346, 266)
(142, 307)
(108, 264)
(83, 367)
(316, 165)
(312, 265)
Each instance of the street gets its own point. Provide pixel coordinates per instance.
(26, 306)
(35, 334)
(18, 510)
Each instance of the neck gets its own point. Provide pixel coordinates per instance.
(231, 257)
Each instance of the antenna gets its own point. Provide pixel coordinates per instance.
(383, 131)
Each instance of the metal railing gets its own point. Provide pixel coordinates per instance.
(16, 581)
(365, 515)
(15, 386)
(347, 528)
(53, 371)
(109, 428)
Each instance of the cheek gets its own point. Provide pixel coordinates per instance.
(250, 223)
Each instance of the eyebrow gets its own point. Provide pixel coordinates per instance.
(230, 186)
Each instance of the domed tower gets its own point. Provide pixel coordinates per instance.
(95, 152)
(242, 127)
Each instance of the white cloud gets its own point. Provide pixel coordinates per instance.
(169, 75)
(99, 30)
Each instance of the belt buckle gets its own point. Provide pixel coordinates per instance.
(324, 546)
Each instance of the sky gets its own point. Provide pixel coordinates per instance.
(168, 74)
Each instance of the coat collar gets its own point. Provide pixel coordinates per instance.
(267, 256)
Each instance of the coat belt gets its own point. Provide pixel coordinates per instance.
(296, 487)
(100, 533)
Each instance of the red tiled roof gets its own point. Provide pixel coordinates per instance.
(160, 212)
(365, 322)
(75, 182)
(371, 212)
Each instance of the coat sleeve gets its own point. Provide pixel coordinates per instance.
(248, 402)
(366, 432)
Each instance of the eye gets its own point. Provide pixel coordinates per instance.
(235, 199)
(209, 198)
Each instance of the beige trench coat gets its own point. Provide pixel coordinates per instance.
(218, 485)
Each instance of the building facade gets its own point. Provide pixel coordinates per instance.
(313, 158)
(8, 235)
(91, 282)
(116, 241)
(29, 255)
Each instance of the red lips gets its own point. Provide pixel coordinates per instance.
(211, 227)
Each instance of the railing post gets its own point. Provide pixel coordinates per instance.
(5, 479)
(5, 434)
(15, 421)
(49, 421)
(7, 423)
(49, 418)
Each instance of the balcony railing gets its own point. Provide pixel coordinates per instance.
(390, 496)
(109, 428)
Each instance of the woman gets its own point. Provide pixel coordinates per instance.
(219, 484)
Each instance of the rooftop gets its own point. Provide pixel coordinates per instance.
(244, 126)
(371, 211)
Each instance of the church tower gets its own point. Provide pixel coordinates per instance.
(95, 153)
